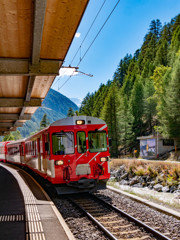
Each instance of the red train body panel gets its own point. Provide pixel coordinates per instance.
(3, 151)
(71, 152)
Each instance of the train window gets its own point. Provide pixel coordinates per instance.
(97, 141)
(47, 144)
(81, 142)
(22, 150)
(63, 143)
(33, 148)
(168, 142)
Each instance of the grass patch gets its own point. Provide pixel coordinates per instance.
(167, 173)
(115, 163)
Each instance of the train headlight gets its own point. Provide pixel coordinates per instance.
(103, 159)
(59, 162)
(80, 122)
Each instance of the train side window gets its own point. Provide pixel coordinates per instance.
(63, 143)
(22, 150)
(81, 142)
(47, 144)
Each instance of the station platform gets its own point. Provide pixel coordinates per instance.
(26, 212)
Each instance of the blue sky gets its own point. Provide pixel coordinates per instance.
(123, 33)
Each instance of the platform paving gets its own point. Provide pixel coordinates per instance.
(38, 217)
(12, 208)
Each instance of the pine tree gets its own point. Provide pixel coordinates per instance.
(125, 119)
(8, 137)
(110, 116)
(160, 82)
(122, 69)
(171, 116)
(175, 22)
(149, 105)
(87, 105)
(99, 99)
(70, 112)
(44, 122)
(17, 135)
(175, 45)
(136, 54)
(162, 52)
(155, 28)
(137, 107)
(161, 78)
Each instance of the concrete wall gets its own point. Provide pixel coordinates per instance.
(163, 149)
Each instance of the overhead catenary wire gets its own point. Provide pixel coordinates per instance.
(79, 49)
(98, 32)
(91, 43)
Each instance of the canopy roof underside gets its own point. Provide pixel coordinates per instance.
(35, 38)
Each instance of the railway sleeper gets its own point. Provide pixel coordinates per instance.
(107, 217)
(96, 211)
(139, 238)
(117, 227)
(125, 232)
(115, 222)
(97, 215)
(93, 208)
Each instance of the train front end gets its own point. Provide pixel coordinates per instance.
(79, 154)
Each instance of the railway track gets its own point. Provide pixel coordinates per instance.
(115, 223)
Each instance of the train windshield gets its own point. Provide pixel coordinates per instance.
(63, 143)
(97, 141)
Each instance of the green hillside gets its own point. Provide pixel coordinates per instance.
(55, 105)
(144, 94)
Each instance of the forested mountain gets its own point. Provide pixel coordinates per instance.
(55, 106)
(144, 94)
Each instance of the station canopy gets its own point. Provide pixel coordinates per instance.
(35, 36)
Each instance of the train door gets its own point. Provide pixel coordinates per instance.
(39, 155)
(82, 166)
(46, 155)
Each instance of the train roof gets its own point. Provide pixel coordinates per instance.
(4, 143)
(16, 142)
(69, 121)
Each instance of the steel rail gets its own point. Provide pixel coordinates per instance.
(109, 234)
(148, 229)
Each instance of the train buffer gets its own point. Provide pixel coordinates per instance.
(26, 212)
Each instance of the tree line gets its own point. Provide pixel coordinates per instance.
(144, 94)
(16, 135)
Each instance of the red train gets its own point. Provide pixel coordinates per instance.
(3, 151)
(72, 153)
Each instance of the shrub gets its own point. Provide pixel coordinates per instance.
(152, 173)
(171, 181)
(140, 172)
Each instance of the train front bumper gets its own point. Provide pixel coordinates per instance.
(83, 185)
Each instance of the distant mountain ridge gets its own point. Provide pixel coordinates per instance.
(55, 105)
(77, 101)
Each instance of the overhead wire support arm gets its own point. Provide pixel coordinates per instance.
(87, 74)
(79, 49)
